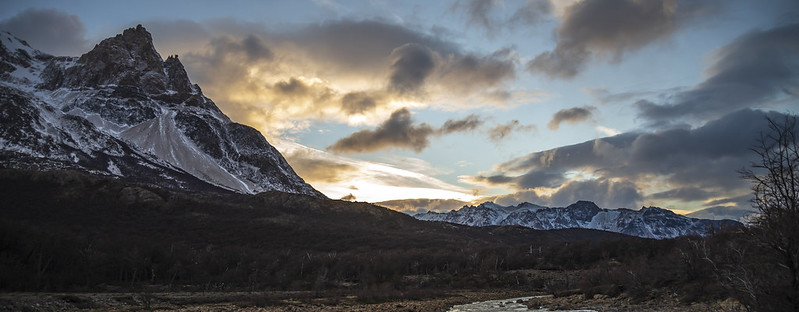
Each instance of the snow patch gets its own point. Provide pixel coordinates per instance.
(113, 169)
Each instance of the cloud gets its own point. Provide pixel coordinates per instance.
(367, 181)
(609, 29)
(410, 66)
(360, 102)
(501, 131)
(397, 131)
(313, 169)
(723, 212)
(531, 13)
(603, 192)
(683, 194)
(466, 73)
(677, 166)
(485, 13)
(571, 115)
(478, 12)
(345, 71)
(421, 205)
(400, 132)
(752, 71)
(468, 123)
(529, 180)
(358, 47)
(49, 30)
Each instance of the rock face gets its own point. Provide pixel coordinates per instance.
(122, 110)
(649, 222)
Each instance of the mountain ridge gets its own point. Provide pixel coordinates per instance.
(648, 222)
(121, 110)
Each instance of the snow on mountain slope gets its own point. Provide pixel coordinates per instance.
(649, 222)
(121, 110)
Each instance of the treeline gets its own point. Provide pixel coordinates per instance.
(66, 231)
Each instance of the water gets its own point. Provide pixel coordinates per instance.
(502, 305)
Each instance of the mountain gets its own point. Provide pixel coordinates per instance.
(721, 212)
(121, 110)
(649, 222)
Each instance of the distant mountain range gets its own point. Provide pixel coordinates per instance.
(120, 110)
(649, 222)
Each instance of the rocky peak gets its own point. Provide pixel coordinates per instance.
(584, 210)
(14, 53)
(178, 79)
(652, 211)
(129, 60)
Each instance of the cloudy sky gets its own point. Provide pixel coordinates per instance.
(429, 104)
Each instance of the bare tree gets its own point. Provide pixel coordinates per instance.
(775, 179)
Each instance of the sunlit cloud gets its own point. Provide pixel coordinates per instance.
(352, 72)
(338, 176)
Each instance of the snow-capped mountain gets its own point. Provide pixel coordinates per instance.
(649, 222)
(121, 110)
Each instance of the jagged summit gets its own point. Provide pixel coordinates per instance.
(121, 110)
(649, 222)
(128, 59)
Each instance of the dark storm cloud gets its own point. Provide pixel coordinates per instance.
(313, 169)
(360, 46)
(753, 70)
(291, 87)
(398, 131)
(468, 123)
(697, 164)
(252, 47)
(528, 180)
(468, 72)
(683, 194)
(484, 13)
(410, 66)
(360, 102)
(571, 115)
(295, 91)
(49, 30)
(499, 132)
(611, 28)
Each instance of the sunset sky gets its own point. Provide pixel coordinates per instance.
(621, 102)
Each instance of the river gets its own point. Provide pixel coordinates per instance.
(502, 305)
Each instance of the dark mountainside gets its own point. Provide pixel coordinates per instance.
(119, 175)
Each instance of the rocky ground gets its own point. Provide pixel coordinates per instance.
(307, 301)
(623, 303)
(235, 301)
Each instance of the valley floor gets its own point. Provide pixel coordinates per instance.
(310, 301)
